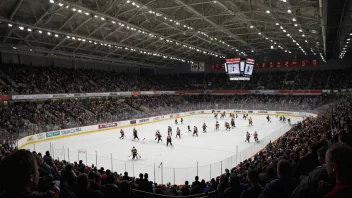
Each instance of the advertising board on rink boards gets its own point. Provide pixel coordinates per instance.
(84, 129)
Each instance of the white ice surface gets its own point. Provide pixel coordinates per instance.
(180, 160)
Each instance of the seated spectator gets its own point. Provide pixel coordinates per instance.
(309, 186)
(255, 189)
(338, 165)
(110, 190)
(94, 178)
(308, 163)
(125, 190)
(235, 188)
(185, 189)
(282, 187)
(83, 190)
(22, 181)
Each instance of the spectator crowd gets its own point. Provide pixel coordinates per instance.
(312, 160)
(22, 79)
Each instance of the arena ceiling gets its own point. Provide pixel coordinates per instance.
(161, 33)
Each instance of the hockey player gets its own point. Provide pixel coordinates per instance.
(158, 136)
(244, 116)
(289, 121)
(248, 136)
(122, 134)
(217, 126)
(178, 132)
(168, 140)
(176, 121)
(134, 153)
(169, 130)
(204, 128)
(135, 135)
(181, 120)
(268, 118)
(222, 115)
(189, 129)
(233, 123)
(256, 136)
(283, 119)
(195, 131)
(236, 115)
(215, 115)
(250, 121)
(227, 126)
(280, 118)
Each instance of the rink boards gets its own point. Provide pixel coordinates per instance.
(58, 134)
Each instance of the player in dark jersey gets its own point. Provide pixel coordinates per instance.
(204, 128)
(168, 140)
(135, 135)
(134, 153)
(158, 136)
(122, 134)
(233, 125)
(178, 132)
(248, 137)
(195, 131)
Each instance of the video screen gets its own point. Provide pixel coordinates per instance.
(233, 68)
(249, 69)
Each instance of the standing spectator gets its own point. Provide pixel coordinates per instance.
(282, 187)
(47, 158)
(338, 164)
(19, 177)
(80, 164)
(147, 184)
(255, 189)
(83, 190)
(196, 187)
(139, 182)
(125, 176)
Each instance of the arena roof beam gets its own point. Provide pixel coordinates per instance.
(245, 18)
(179, 28)
(78, 6)
(82, 49)
(83, 37)
(90, 58)
(220, 28)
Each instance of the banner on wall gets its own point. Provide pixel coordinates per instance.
(198, 67)
(215, 67)
(287, 64)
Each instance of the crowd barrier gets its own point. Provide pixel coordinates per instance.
(157, 172)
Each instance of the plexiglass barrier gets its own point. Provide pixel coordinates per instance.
(157, 171)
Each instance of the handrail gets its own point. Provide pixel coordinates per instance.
(154, 195)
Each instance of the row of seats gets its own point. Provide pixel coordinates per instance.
(21, 79)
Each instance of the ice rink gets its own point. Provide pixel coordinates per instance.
(206, 155)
